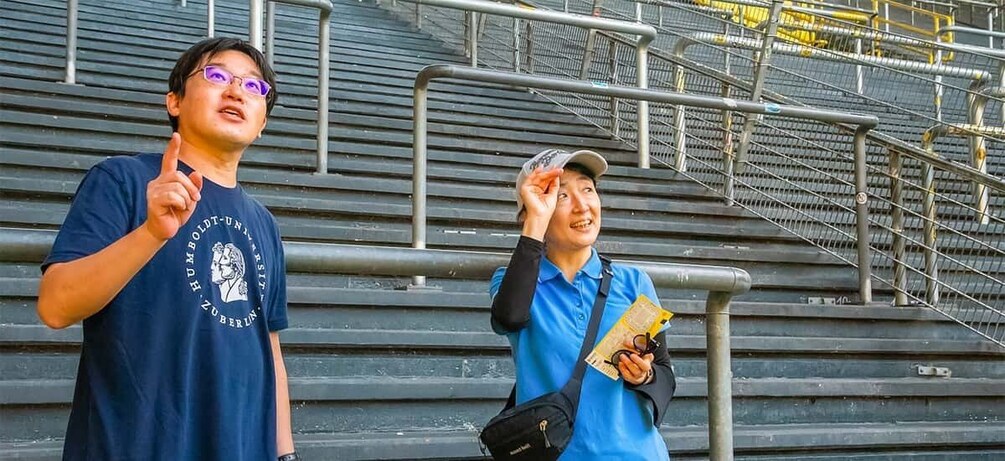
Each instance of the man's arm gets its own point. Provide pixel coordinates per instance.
(72, 291)
(284, 430)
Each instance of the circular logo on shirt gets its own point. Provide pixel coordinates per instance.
(225, 297)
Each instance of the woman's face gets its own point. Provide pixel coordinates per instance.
(576, 222)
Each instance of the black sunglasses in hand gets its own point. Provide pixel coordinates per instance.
(643, 344)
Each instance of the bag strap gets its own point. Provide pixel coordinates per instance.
(573, 387)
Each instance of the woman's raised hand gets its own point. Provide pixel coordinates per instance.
(540, 196)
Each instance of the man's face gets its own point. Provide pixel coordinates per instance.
(576, 222)
(216, 116)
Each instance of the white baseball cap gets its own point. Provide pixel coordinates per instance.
(557, 158)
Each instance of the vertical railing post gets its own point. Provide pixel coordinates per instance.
(859, 70)
(473, 38)
(938, 80)
(255, 12)
(991, 26)
(516, 44)
(679, 121)
(418, 15)
(70, 76)
(720, 377)
(530, 48)
(270, 32)
(589, 50)
(642, 109)
(419, 110)
(324, 73)
(897, 228)
(760, 75)
(978, 152)
(210, 18)
(862, 217)
(930, 228)
(612, 57)
(727, 129)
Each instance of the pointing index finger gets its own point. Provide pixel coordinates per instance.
(169, 163)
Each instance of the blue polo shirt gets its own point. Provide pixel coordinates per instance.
(613, 421)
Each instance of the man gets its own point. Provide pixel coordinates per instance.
(179, 278)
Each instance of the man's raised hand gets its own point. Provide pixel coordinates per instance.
(171, 196)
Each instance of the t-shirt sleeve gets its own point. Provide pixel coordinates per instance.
(99, 215)
(277, 319)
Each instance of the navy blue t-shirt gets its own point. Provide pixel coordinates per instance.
(179, 365)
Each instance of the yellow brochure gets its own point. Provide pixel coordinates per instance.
(642, 317)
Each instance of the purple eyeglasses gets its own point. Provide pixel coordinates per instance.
(220, 76)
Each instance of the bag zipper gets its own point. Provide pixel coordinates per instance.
(544, 431)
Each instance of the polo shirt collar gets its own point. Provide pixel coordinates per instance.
(592, 268)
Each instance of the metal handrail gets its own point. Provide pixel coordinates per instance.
(930, 219)
(722, 283)
(31, 245)
(646, 34)
(910, 150)
(325, 8)
(977, 76)
(717, 306)
(971, 30)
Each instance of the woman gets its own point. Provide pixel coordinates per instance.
(543, 306)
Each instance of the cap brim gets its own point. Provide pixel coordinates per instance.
(590, 159)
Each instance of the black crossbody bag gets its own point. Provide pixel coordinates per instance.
(540, 429)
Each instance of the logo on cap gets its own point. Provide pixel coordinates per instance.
(545, 158)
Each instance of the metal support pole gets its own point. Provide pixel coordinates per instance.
(859, 71)
(899, 250)
(991, 27)
(418, 15)
(473, 38)
(270, 32)
(324, 75)
(638, 12)
(565, 6)
(1001, 87)
(642, 110)
(255, 26)
(720, 377)
(938, 82)
(589, 51)
(516, 44)
(679, 123)
(978, 154)
(728, 183)
(530, 48)
(760, 75)
(862, 217)
(615, 102)
(928, 204)
(419, 118)
(886, 15)
(210, 18)
(72, 9)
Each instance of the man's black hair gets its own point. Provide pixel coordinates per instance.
(208, 48)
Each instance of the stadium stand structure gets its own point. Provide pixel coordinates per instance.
(381, 372)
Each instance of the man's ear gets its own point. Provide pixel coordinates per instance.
(173, 103)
